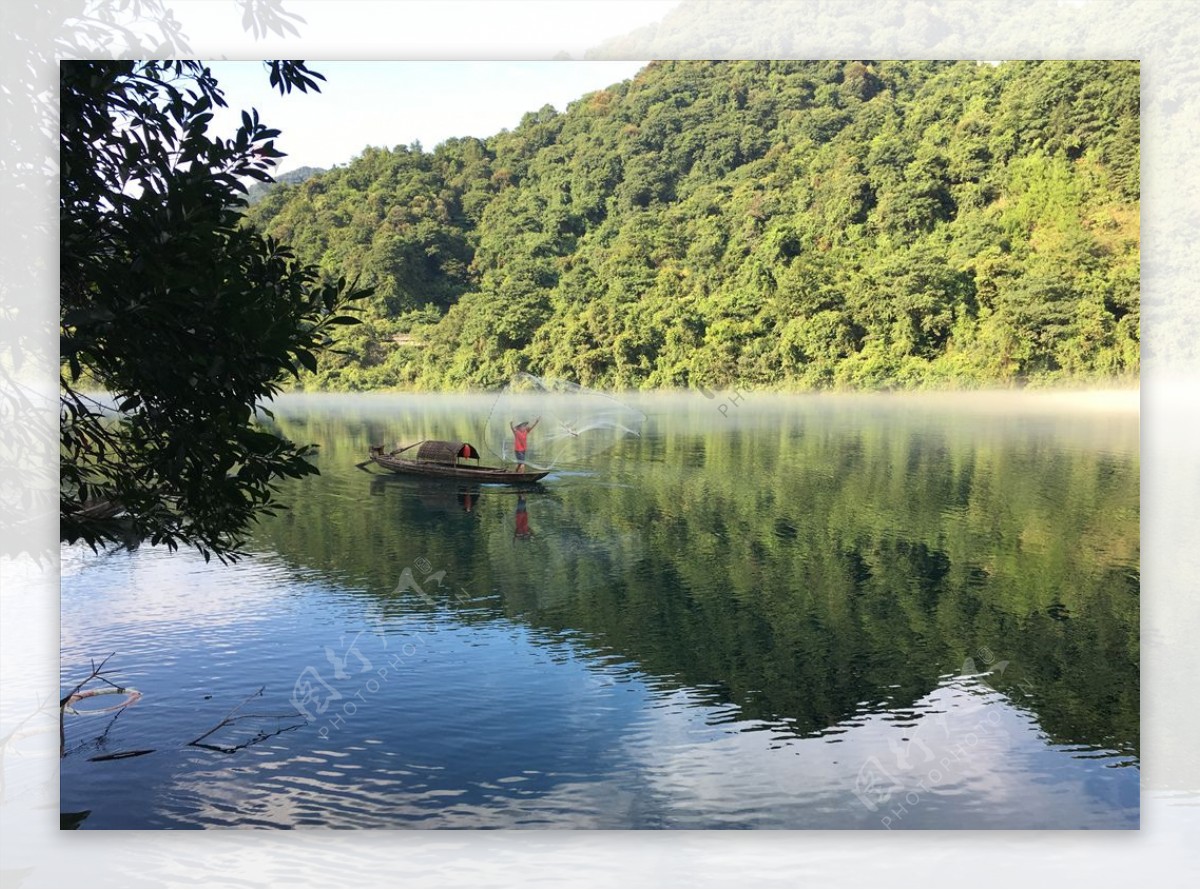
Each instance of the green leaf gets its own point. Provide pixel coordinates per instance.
(307, 359)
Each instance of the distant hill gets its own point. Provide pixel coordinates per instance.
(801, 225)
(258, 190)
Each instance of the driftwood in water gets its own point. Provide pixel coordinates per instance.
(120, 755)
(230, 719)
(66, 700)
(64, 707)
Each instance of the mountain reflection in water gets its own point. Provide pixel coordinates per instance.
(798, 614)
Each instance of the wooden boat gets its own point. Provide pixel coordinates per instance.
(445, 460)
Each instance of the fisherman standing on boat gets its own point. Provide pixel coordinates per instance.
(521, 433)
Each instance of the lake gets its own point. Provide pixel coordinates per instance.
(736, 611)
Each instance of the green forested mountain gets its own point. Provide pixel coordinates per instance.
(764, 224)
(258, 190)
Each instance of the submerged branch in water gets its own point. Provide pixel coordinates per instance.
(66, 700)
(233, 716)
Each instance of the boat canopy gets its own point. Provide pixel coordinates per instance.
(439, 452)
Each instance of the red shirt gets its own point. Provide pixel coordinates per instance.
(519, 436)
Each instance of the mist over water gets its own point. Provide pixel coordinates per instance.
(900, 611)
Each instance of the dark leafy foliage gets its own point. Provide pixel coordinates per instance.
(186, 319)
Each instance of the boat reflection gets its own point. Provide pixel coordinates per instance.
(434, 496)
(442, 496)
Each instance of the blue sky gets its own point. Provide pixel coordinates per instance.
(396, 103)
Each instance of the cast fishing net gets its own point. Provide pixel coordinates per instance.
(577, 424)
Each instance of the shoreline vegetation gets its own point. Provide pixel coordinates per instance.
(831, 225)
(1115, 396)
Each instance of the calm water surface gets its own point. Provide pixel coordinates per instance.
(799, 613)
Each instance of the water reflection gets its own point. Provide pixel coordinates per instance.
(434, 495)
(833, 553)
(803, 558)
(521, 529)
(785, 621)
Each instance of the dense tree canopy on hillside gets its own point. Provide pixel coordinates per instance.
(790, 224)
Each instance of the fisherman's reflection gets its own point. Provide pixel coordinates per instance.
(522, 531)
